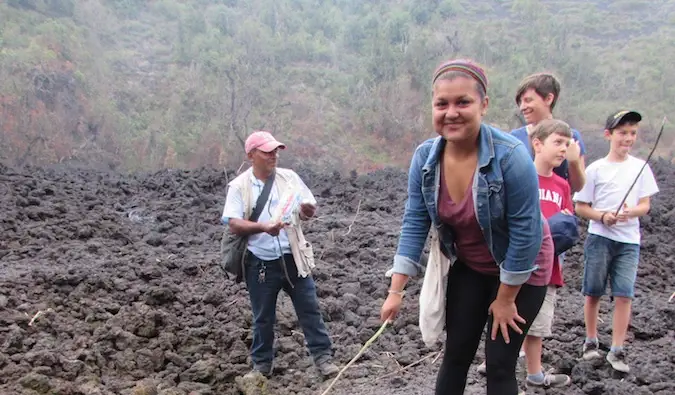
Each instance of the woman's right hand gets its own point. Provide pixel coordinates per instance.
(391, 307)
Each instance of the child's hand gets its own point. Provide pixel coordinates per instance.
(625, 214)
(573, 151)
(609, 219)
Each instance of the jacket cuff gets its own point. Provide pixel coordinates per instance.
(515, 278)
(403, 265)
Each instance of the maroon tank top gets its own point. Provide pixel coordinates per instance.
(470, 243)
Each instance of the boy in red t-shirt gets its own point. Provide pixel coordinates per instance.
(550, 139)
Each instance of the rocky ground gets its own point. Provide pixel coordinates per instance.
(110, 284)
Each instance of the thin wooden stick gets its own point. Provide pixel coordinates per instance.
(37, 315)
(391, 355)
(656, 143)
(410, 365)
(231, 303)
(358, 207)
(671, 297)
(437, 356)
(361, 351)
(242, 165)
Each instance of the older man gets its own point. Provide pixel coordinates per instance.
(278, 255)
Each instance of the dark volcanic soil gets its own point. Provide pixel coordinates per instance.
(125, 270)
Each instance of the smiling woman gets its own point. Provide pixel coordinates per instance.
(459, 103)
(478, 187)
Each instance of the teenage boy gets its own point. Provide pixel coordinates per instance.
(612, 248)
(536, 97)
(550, 140)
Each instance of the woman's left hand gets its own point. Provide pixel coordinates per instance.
(505, 315)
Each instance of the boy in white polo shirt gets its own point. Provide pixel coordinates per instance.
(612, 248)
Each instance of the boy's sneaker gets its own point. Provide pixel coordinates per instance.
(617, 360)
(551, 380)
(590, 351)
(482, 368)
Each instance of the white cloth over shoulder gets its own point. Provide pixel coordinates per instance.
(432, 295)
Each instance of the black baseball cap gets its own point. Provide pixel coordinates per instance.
(622, 117)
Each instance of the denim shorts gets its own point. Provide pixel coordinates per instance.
(606, 259)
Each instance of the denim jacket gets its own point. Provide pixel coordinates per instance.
(506, 202)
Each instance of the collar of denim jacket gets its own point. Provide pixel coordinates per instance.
(486, 149)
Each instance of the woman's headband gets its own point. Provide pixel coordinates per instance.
(465, 66)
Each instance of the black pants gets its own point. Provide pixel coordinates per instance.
(468, 298)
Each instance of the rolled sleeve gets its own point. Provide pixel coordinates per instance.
(523, 215)
(234, 206)
(416, 222)
(404, 265)
(514, 278)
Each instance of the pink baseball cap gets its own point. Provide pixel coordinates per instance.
(263, 141)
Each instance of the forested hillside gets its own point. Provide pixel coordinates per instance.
(165, 83)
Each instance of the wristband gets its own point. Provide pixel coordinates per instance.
(602, 217)
(401, 293)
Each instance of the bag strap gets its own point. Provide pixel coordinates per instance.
(262, 199)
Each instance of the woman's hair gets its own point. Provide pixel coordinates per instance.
(452, 69)
(543, 84)
(548, 127)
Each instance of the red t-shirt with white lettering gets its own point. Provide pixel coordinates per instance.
(554, 196)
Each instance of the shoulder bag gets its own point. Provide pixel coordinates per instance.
(233, 248)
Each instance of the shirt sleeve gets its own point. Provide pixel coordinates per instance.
(648, 186)
(234, 206)
(305, 192)
(523, 216)
(416, 222)
(587, 193)
(521, 134)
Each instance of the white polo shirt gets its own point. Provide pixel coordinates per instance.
(263, 245)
